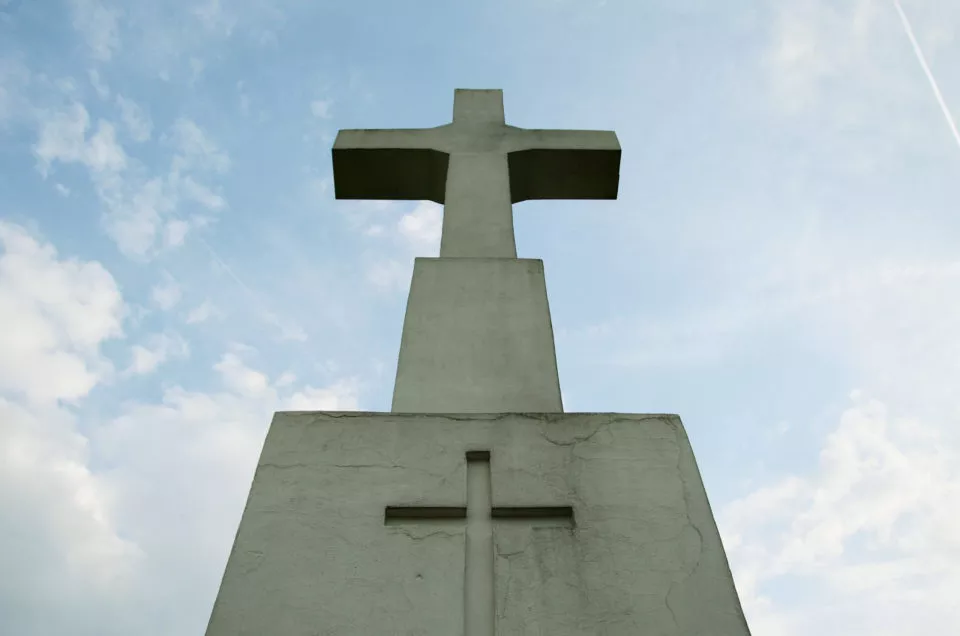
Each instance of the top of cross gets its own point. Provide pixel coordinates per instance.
(478, 107)
(477, 166)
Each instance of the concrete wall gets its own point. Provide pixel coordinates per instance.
(313, 555)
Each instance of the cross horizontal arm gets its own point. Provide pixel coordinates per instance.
(564, 164)
(403, 164)
(551, 139)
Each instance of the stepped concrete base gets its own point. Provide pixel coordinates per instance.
(315, 554)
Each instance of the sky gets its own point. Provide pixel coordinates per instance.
(781, 269)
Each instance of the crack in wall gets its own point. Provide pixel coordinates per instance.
(418, 537)
(681, 446)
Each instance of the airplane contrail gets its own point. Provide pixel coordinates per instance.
(926, 69)
(289, 330)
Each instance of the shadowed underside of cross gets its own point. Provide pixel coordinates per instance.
(477, 166)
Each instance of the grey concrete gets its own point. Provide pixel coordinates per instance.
(477, 338)
(477, 167)
(314, 555)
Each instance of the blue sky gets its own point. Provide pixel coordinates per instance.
(780, 269)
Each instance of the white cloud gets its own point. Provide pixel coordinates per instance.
(418, 230)
(55, 315)
(62, 189)
(327, 399)
(285, 330)
(136, 122)
(98, 24)
(157, 349)
(873, 534)
(422, 227)
(55, 514)
(203, 312)
(137, 212)
(175, 232)
(63, 137)
(240, 378)
(321, 108)
(390, 274)
(63, 552)
(166, 294)
(104, 154)
(287, 378)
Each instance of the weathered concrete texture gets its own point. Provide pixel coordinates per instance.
(477, 338)
(313, 555)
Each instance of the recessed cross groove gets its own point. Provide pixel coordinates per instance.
(400, 513)
(532, 512)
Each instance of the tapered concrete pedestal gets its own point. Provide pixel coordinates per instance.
(477, 338)
(314, 554)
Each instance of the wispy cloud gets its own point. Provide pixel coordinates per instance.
(135, 120)
(140, 210)
(203, 312)
(98, 24)
(321, 108)
(921, 58)
(103, 91)
(166, 294)
(157, 349)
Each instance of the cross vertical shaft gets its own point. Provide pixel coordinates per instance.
(477, 336)
(478, 600)
(478, 213)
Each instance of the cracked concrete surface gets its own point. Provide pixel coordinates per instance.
(313, 555)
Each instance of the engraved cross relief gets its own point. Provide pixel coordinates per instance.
(480, 514)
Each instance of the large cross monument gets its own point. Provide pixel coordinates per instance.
(477, 507)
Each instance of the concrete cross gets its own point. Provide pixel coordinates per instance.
(479, 513)
(478, 166)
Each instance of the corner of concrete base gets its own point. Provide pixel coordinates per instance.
(642, 556)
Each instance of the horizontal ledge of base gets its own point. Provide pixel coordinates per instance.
(544, 415)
